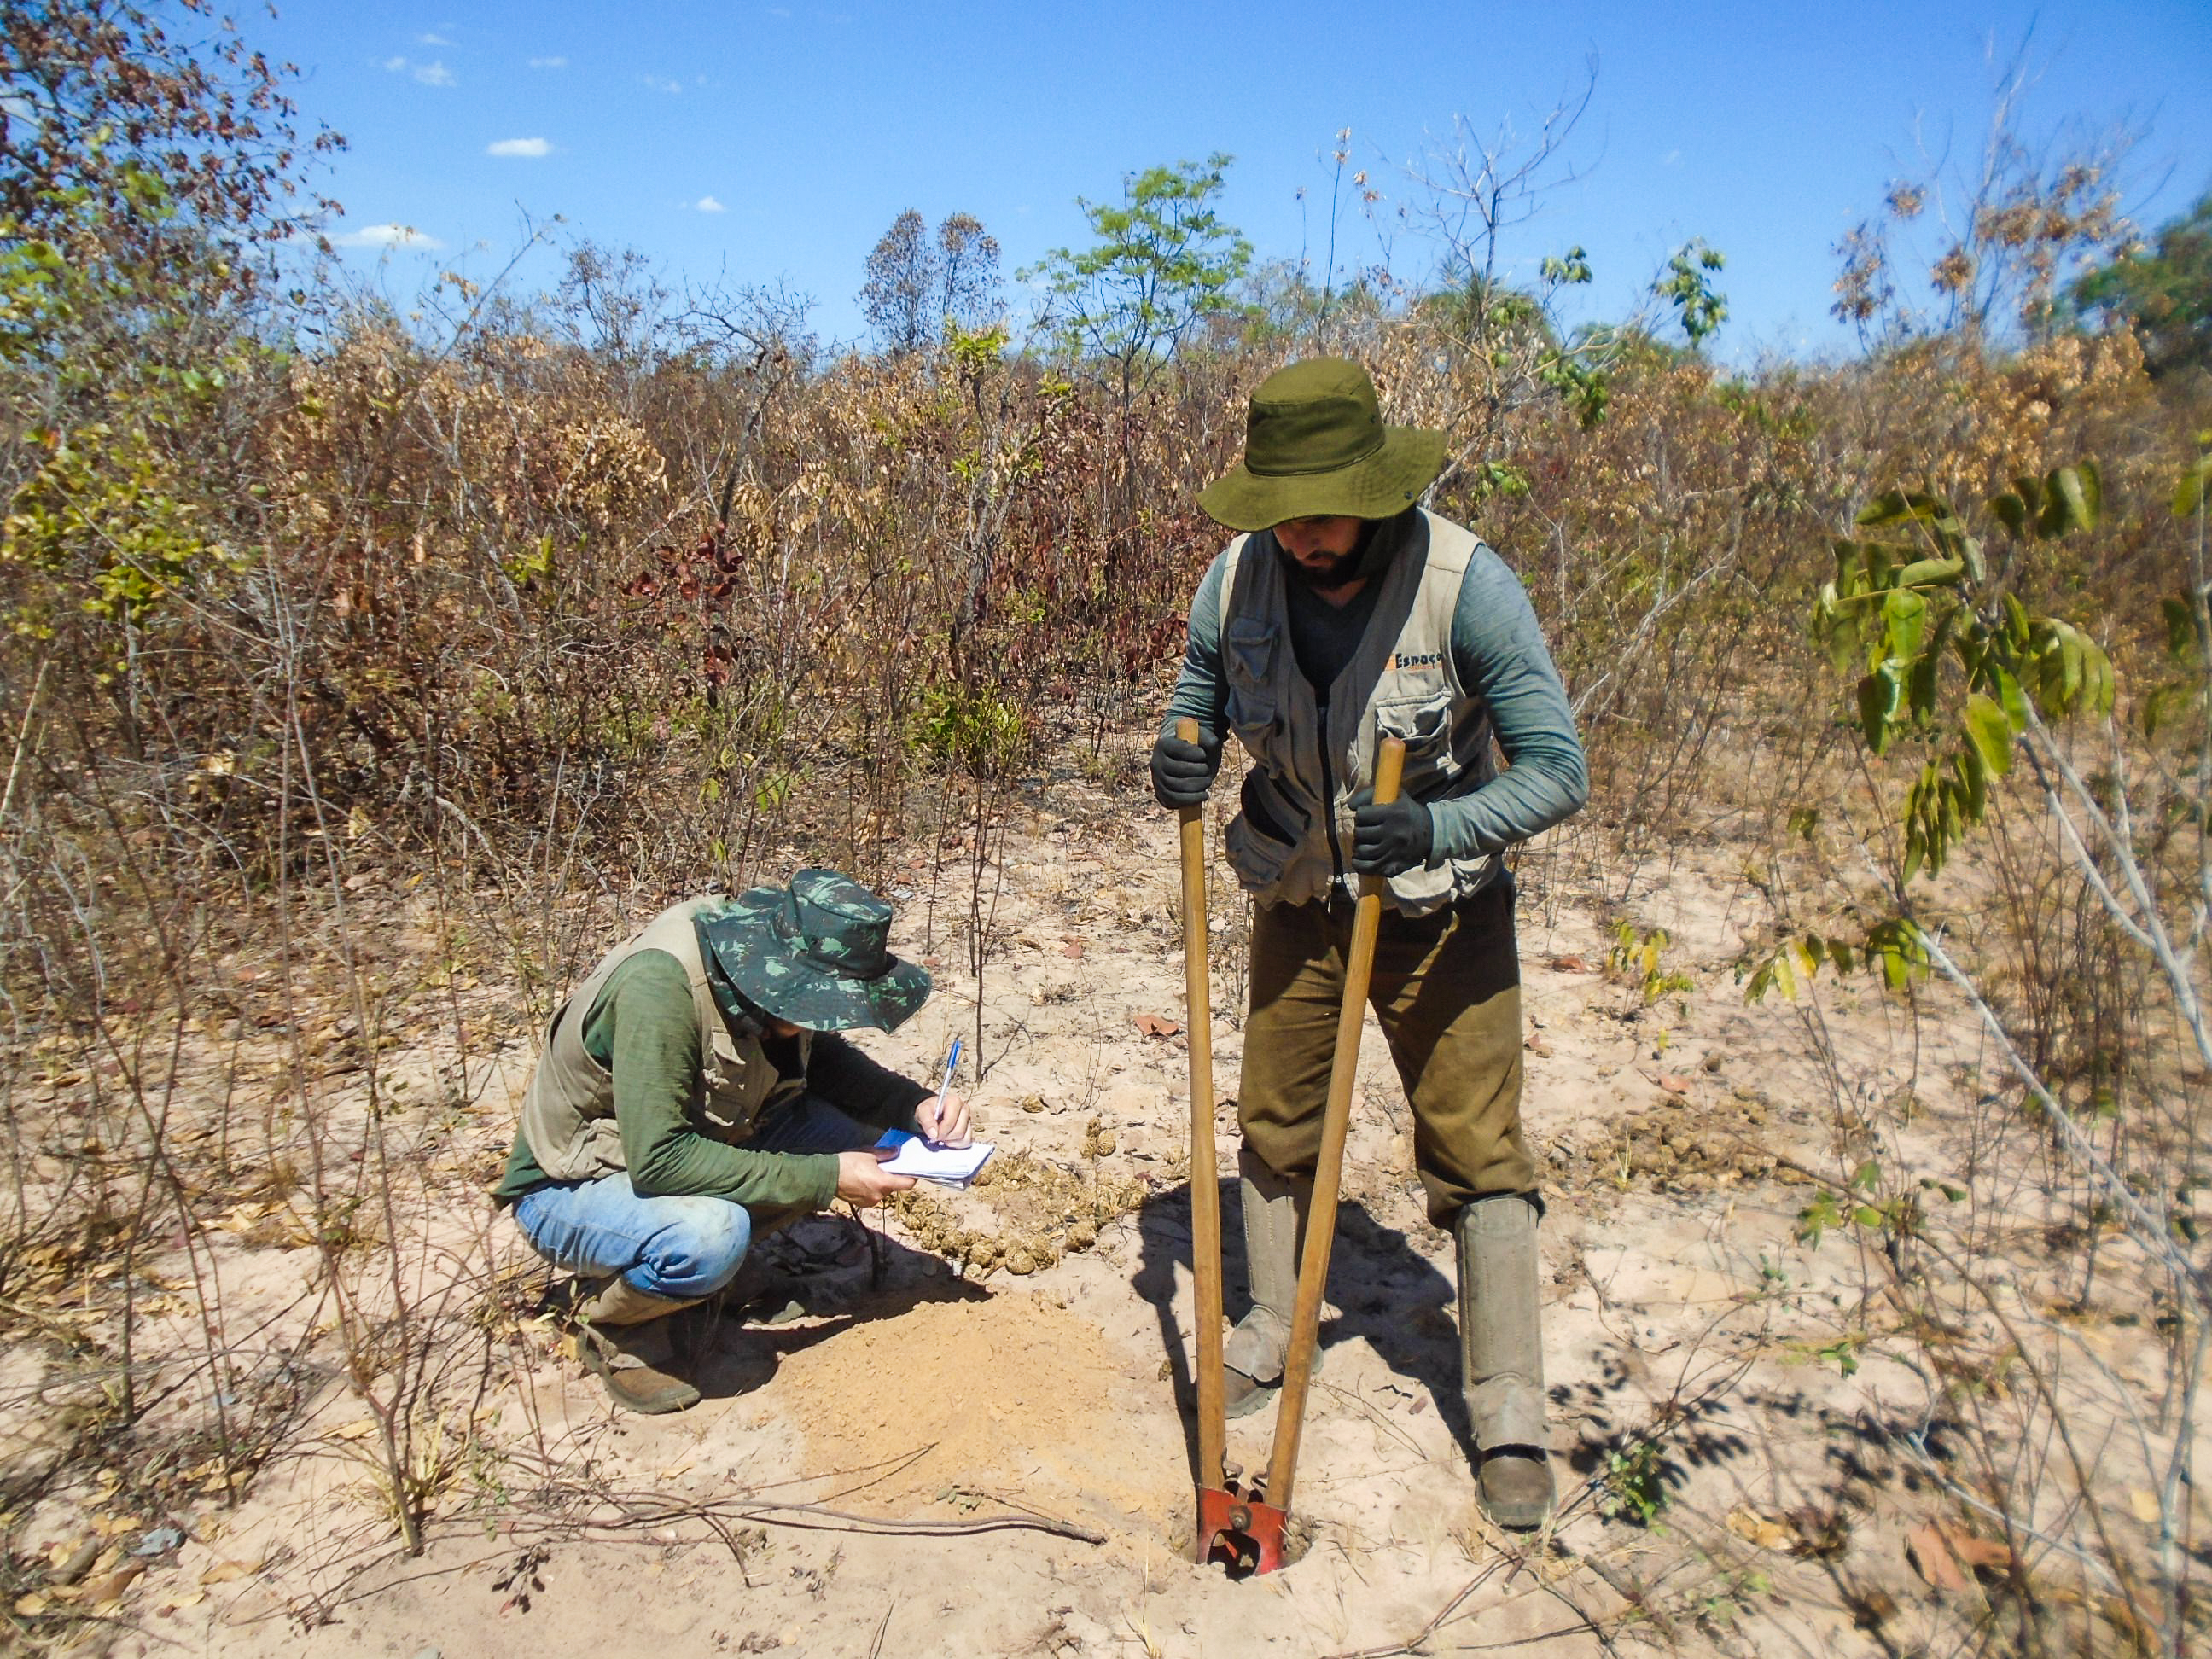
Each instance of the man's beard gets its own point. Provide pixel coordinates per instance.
(1339, 571)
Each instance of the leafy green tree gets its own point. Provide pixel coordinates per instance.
(146, 183)
(2164, 292)
(1688, 283)
(1163, 262)
(1968, 685)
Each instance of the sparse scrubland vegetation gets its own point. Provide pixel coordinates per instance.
(363, 670)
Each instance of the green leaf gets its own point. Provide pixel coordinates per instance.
(2085, 488)
(1920, 685)
(2011, 512)
(1969, 549)
(2014, 700)
(2075, 496)
(1837, 633)
(2101, 683)
(1931, 573)
(1896, 507)
(1867, 1176)
(1905, 617)
(1877, 700)
(2017, 626)
(1991, 732)
(2189, 492)
(2184, 638)
(1973, 779)
(1866, 1216)
(1816, 1217)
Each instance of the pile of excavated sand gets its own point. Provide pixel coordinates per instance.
(1009, 1396)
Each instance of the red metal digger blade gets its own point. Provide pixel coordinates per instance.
(1239, 1532)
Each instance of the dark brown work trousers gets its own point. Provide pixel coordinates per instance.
(1446, 990)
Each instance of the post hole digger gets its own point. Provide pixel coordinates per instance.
(1243, 1528)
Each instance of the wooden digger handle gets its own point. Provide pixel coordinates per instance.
(1205, 1183)
(1328, 1169)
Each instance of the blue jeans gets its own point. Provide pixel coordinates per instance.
(682, 1249)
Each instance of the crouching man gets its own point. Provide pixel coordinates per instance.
(692, 1096)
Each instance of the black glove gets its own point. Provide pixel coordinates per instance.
(1388, 840)
(1183, 772)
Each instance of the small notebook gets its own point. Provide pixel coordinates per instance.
(948, 1166)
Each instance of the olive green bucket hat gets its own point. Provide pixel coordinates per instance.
(1316, 446)
(815, 953)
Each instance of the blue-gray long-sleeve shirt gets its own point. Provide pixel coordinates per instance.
(1500, 656)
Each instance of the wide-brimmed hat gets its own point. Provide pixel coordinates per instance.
(1316, 446)
(815, 953)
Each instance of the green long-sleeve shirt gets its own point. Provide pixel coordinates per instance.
(1498, 651)
(644, 1029)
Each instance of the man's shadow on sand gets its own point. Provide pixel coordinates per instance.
(841, 1273)
(1387, 1293)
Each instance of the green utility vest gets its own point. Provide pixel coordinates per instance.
(1293, 841)
(568, 1113)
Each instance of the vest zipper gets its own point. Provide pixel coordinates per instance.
(1328, 802)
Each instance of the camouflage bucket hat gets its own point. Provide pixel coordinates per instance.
(1316, 446)
(815, 953)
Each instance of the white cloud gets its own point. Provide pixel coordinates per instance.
(529, 147)
(660, 85)
(708, 204)
(1670, 158)
(431, 74)
(779, 11)
(386, 236)
(548, 63)
(432, 41)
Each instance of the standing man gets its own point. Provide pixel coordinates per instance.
(692, 1096)
(1345, 615)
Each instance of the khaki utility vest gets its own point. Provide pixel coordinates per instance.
(568, 1112)
(1401, 682)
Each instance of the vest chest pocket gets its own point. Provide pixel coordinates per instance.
(1248, 653)
(728, 1108)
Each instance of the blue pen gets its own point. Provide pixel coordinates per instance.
(952, 1060)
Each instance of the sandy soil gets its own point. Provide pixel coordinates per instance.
(1016, 1357)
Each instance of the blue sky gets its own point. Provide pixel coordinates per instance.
(778, 141)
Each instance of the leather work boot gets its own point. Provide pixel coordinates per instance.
(1502, 1357)
(1275, 1208)
(625, 1339)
